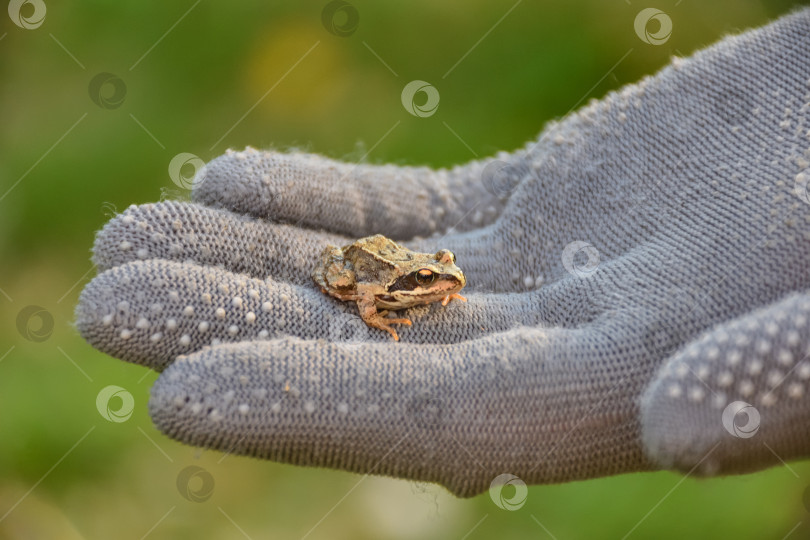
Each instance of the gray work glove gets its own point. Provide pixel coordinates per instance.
(637, 282)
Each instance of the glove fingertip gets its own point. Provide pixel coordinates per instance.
(236, 181)
(731, 401)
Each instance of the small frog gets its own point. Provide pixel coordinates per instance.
(376, 272)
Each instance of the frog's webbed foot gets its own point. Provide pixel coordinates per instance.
(377, 319)
(385, 324)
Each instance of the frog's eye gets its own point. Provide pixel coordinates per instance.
(424, 277)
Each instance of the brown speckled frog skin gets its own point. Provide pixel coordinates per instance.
(378, 273)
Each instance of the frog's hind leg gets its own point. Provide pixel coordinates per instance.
(372, 317)
(339, 296)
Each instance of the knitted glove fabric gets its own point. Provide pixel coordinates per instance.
(687, 195)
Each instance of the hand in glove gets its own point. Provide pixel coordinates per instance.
(637, 283)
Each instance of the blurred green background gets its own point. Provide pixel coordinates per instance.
(191, 71)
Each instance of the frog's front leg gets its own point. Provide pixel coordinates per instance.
(449, 297)
(370, 315)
